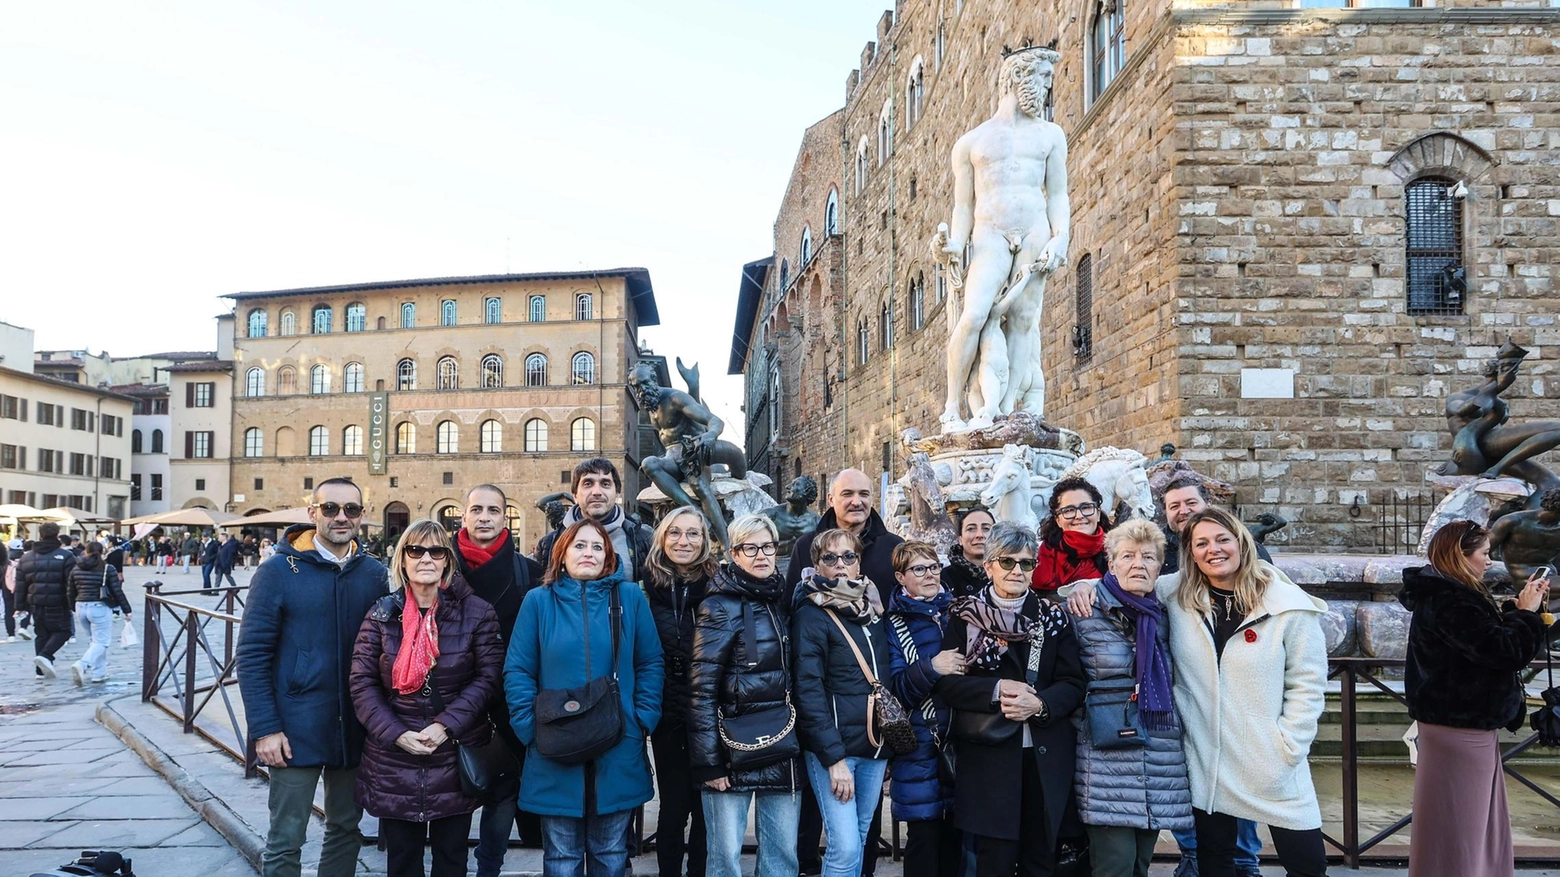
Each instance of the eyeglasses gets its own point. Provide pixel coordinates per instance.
(1081, 510)
(922, 569)
(675, 535)
(833, 559)
(437, 552)
(1026, 564)
(332, 509)
(748, 549)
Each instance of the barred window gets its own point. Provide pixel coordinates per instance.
(357, 317)
(831, 213)
(1083, 301)
(447, 312)
(1437, 278)
(492, 371)
(254, 382)
(257, 323)
(449, 373)
(584, 307)
(289, 323)
(584, 368)
(408, 315)
(538, 308)
(406, 375)
(493, 310)
(322, 320)
(536, 370)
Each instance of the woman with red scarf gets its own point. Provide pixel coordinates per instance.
(1072, 538)
(427, 661)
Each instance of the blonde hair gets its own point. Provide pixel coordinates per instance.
(1450, 548)
(746, 527)
(662, 572)
(1251, 581)
(1134, 531)
(426, 531)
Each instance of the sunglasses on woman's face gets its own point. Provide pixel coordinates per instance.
(1025, 564)
(417, 552)
(833, 559)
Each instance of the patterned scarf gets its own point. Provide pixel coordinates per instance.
(419, 645)
(990, 628)
(857, 599)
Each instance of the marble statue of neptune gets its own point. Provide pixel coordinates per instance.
(1011, 209)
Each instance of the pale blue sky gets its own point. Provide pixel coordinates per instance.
(156, 155)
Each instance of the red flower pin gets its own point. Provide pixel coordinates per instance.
(1251, 636)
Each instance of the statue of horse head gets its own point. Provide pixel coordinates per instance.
(1121, 476)
(1009, 494)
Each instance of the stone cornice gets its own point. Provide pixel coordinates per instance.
(1425, 15)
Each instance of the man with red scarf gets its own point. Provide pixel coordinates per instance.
(486, 558)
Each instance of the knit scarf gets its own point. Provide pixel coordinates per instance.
(419, 645)
(857, 599)
(1155, 702)
(976, 571)
(1071, 561)
(990, 627)
(475, 554)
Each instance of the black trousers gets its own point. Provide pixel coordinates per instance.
(809, 834)
(52, 628)
(679, 802)
(1030, 855)
(1302, 853)
(5, 597)
(933, 847)
(404, 841)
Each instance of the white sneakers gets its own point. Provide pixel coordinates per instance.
(77, 676)
(24, 632)
(46, 665)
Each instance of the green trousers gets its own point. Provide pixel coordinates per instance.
(291, 804)
(1120, 852)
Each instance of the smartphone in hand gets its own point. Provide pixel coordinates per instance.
(1546, 572)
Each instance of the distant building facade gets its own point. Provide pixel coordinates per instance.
(1296, 227)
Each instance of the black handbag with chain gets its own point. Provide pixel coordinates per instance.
(484, 768)
(578, 725)
(762, 737)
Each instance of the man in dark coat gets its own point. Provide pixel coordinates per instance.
(209, 550)
(596, 487)
(294, 651)
(43, 589)
(485, 557)
(850, 508)
(227, 559)
(1184, 497)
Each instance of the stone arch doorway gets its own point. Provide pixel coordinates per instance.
(397, 518)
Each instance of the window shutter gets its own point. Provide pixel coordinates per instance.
(24, 410)
(189, 396)
(189, 438)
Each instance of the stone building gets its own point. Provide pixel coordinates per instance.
(418, 389)
(1296, 226)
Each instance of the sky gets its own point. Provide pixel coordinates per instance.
(154, 155)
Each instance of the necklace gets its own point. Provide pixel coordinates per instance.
(1226, 604)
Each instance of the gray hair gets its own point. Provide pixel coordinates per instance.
(1007, 539)
(743, 529)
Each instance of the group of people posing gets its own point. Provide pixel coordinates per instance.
(1177, 687)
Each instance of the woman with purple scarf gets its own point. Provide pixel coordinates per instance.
(1132, 780)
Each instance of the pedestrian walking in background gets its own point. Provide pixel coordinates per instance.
(267, 550)
(742, 674)
(425, 667)
(210, 550)
(301, 619)
(7, 593)
(99, 596)
(43, 590)
(1462, 685)
(585, 807)
(189, 550)
(227, 559)
(1072, 537)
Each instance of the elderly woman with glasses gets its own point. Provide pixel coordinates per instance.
(1072, 537)
(426, 663)
(1011, 730)
(742, 719)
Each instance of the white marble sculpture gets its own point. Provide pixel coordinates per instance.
(1011, 209)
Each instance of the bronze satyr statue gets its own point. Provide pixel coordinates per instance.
(690, 433)
(795, 517)
(1529, 539)
(1484, 444)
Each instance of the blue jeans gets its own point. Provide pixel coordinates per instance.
(596, 846)
(1247, 843)
(97, 622)
(498, 817)
(725, 824)
(846, 823)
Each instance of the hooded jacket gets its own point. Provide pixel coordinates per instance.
(915, 637)
(831, 691)
(95, 581)
(43, 577)
(877, 545)
(1464, 654)
(727, 679)
(1250, 717)
(547, 652)
(301, 620)
(391, 781)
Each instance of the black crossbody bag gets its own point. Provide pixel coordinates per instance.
(578, 725)
(482, 768)
(762, 737)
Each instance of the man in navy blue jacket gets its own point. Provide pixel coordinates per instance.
(294, 651)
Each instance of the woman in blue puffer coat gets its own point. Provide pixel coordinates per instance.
(922, 795)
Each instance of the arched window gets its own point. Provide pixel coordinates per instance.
(406, 437)
(408, 315)
(863, 342)
(535, 435)
(135, 441)
(915, 90)
(289, 323)
(940, 45)
(447, 312)
(491, 437)
(254, 382)
(536, 370)
(352, 378)
(806, 246)
(357, 317)
(319, 379)
(538, 308)
(321, 320)
(448, 437)
(1437, 278)
(886, 327)
(785, 275)
(917, 309)
(831, 213)
(493, 310)
(582, 435)
(584, 368)
(157, 441)
(939, 284)
(583, 307)
(257, 323)
(1107, 45)
(492, 371)
(449, 374)
(885, 132)
(1083, 306)
(254, 442)
(861, 166)
(352, 441)
(319, 441)
(286, 380)
(775, 401)
(406, 374)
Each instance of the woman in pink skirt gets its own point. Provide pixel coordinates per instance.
(1464, 653)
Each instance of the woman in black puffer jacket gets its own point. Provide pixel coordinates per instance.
(741, 666)
(98, 596)
(677, 574)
